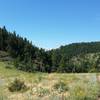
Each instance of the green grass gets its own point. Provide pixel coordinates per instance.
(41, 85)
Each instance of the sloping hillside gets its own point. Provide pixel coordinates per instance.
(30, 58)
(89, 62)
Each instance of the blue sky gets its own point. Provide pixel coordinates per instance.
(51, 23)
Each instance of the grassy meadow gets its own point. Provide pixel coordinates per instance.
(44, 86)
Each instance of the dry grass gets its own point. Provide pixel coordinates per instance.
(41, 85)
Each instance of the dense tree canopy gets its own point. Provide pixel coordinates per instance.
(69, 58)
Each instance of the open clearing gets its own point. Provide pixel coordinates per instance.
(44, 86)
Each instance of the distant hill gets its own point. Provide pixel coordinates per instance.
(74, 57)
(62, 57)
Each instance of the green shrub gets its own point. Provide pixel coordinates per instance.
(38, 79)
(61, 86)
(42, 92)
(8, 67)
(17, 85)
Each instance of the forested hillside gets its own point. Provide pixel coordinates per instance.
(76, 57)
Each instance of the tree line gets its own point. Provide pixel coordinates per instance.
(28, 57)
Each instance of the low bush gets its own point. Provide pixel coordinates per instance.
(8, 67)
(42, 91)
(61, 86)
(17, 85)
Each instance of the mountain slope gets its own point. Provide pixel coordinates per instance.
(30, 58)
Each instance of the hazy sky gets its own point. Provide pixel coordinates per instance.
(51, 23)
